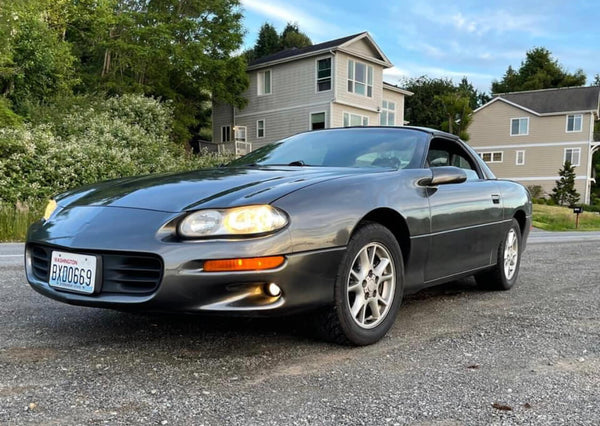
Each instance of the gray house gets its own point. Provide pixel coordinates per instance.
(528, 136)
(332, 84)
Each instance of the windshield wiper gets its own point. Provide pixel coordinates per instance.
(297, 163)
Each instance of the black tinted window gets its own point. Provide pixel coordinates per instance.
(395, 148)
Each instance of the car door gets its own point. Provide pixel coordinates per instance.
(465, 217)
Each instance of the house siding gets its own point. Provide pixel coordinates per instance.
(544, 145)
(222, 115)
(292, 84)
(281, 124)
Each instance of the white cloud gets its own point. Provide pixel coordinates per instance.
(394, 74)
(283, 13)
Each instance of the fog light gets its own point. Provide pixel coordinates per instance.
(273, 290)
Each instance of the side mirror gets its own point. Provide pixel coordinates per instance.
(444, 175)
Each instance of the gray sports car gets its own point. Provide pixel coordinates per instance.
(339, 222)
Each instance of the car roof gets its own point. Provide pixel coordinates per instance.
(433, 132)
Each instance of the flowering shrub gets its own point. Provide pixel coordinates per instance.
(117, 137)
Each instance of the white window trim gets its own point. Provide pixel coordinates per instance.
(222, 138)
(387, 111)
(310, 114)
(492, 156)
(517, 158)
(567, 123)
(352, 113)
(237, 129)
(317, 75)
(519, 134)
(578, 156)
(366, 83)
(264, 128)
(260, 84)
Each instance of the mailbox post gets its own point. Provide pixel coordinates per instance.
(577, 211)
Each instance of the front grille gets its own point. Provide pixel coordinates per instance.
(40, 262)
(130, 273)
(123, 273)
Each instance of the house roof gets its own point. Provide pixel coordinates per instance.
(316, 49)
(394, 88)
(553, 101)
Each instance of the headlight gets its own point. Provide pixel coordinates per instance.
(50, 207)
(249, 220)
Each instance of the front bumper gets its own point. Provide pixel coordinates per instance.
(306, 279)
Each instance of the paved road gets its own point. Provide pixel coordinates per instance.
(456, 355)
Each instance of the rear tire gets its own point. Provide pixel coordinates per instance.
(368, 289)
(503, 275)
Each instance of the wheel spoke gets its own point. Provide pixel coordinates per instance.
(372, 259)
(359, 276)
(355, 287)
(359, 303)
(380, 269)
(364, 262)
(382, 301)
(374, 306)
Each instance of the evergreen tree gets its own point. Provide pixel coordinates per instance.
(564, 193)
(539, 70)
(292, 37)
(268, 41)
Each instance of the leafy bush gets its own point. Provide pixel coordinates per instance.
(536, 191)
(107, 139)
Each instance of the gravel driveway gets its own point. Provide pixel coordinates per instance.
(456, 355)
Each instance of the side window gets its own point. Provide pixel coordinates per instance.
(449, 153)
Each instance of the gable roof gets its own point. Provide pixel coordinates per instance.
(552, 101)
(317, 49)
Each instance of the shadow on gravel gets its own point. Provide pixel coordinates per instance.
(98, 326)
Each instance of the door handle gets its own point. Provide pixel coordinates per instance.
(495, 198)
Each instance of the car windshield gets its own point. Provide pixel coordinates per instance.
(364, 147)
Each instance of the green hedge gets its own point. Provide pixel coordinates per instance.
(93, 141)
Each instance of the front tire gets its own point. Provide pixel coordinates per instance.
(368, 289)
(503, 275)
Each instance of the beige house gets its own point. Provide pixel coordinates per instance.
(528, 136)
(332, 84)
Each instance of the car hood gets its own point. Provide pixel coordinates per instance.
(208, 188)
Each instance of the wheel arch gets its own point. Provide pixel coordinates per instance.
(393, 221)
(521, 219)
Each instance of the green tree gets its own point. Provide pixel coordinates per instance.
(440, 104)
(539, 70)
(268, 41)
(564, 193)
(36, 63)
(291, 37)
(458, 113)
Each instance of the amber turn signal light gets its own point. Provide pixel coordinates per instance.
(247, 264)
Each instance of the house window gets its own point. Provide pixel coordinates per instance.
(388, 114)
(355, 120)
(492, 157)
(225, 133)
(572, 156)
(520, 159)
(574, 123)
(317, 121)
(519, 126)
(260, 129)
(360, 78)
(264, 83)
(240, 133)
(323, 75)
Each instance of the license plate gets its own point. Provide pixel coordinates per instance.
(73, 272)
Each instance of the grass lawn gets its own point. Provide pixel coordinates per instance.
(15, 221)
(554, 218)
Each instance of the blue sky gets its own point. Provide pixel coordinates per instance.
(477, 39)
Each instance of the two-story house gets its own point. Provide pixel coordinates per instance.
(528, 136)
(332, 84)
